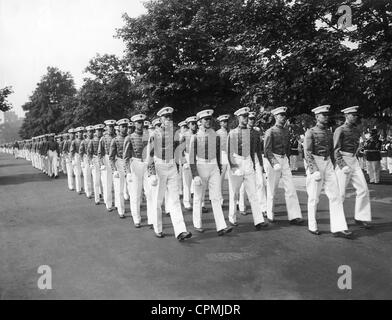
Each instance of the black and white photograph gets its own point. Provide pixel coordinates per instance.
(195, 150)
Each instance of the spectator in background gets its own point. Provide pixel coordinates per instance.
(372, 150)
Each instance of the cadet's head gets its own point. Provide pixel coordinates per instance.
(224, 121)
(280, 115)
(192, 123)
(242, 116)
(90, 131)
(123, 126)
(166, 116)
(99, 130)
(351, 114)
(322, 114)
(205, 117)
(138, 121)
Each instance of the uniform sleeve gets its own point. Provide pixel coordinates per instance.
(150, 157)
(82, 148)
(112, 154)
(101, 148)
(308, 145)
(90, 150)
(218, 152)
(192, 156)
(230, 150)
(127, 155)
(337, 146)
(268, 154)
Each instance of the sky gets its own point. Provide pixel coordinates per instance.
(67, 34)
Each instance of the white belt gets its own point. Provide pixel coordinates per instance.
(347, 154)
(136, 159)
(205, 161)
(162, 161)
(240, 157)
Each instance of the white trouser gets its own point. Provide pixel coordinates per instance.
(357, 178)
(70, 177)
(390, 164)
(87, 177)
(384, 163)
(187, 182)
(53, 169)
(63, 164)
(244, 174)
(273, 178)
(361, 163)
(261, 186)
(118, 184)
(293, 162)
(77, 168)
(167, 181)
(107, 183)
(135, 187)
(330, 183)
(96, 174)
(210, 175)
(127, 191)
(374, 168)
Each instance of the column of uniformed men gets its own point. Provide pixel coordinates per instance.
(129, 157)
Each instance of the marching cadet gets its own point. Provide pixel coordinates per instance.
(94, 163)
(186, 169)
(293, 151)
(106, 169)
(260, 176)
(383, 153)
(53, 153)
(68, 159)
(240, 144)
(223, 134)
(204, 156)
(388, 147)
(63, 161)
(320, 172)
(136, 170)
(44, 154)
(85, 163)
(346, 146)
(127, 193)
(76, 160)
(372, 149)
(163, 175)
(117, 164)
(276, 152)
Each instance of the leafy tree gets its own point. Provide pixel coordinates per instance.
(4, 104)
(44, 110)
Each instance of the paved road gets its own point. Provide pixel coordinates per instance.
(96, 255)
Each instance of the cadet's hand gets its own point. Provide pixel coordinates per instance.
(129, 177)
(237, 171)
(197, 181)
(277, 167)
(346, 169)
(91, 166)
(73, 162)
(154, 180)
(316, 175)
(116, 174)
(103, 168)
(82, 165)
(186, 166)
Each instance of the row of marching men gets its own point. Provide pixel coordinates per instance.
(151, 160)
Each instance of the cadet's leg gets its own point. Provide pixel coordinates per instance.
(292, 203)
(251, 190)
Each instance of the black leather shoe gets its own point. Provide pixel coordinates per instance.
(363, 224)
(184, 235)
(297, 222)
(200, 230)
(271, 221)
(97, 203)
(244, 213)
(137, 225)
(167, 214)
(261, 225)
(317, 233)
(159, 235)
(110, 209)
(151, 226)
(122, 217)
(204, 210)
(343, 234)
(235, 224)
(224, 231)
(265, 215)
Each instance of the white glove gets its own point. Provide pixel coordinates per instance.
(103, 168)
(129, 177)
(154, 181)
(46, 157)
(197, 181)
(346, 169)
(277, 167)
(116, 174)
(91, 166)
(316, 175)
(186, 166)
(82, 165)
(73, 162)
